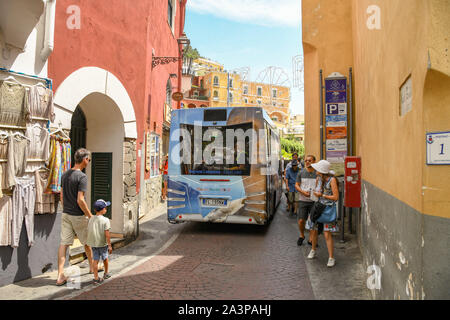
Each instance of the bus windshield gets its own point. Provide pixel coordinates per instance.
(221, 150)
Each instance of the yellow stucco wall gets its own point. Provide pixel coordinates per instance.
(412, 41)
(391, 145)
(436, 105)
(327, 45)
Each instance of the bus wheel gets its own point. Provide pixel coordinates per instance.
(274, 206)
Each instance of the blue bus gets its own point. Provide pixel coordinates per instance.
(224, 166)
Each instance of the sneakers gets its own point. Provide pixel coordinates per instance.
(300, 241)
(331, 262)
(312, 254)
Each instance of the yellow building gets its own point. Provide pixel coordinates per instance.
(223, 89)
(274, 99)
(204, 65)
(228, 89)
(401, 93)
(296, 127)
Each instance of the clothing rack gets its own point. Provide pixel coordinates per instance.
(48, 82)
(39, 118)
(12, 127)
(28, 160)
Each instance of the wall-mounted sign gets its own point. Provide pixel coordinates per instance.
(336, 156)
(167, 112)
(147, 152)
(438, 148)
(336, 109)
(337, 145)
(406, 97)
(336, 90)
(336, 121)
(177, 96)
(336, 132)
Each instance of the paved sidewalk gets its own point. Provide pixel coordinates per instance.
(347, 280)
(155, 234)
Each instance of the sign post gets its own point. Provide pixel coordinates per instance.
(336, 121)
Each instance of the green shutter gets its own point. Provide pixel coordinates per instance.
(101, 179)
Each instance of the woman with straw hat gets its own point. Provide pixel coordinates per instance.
(328, 196)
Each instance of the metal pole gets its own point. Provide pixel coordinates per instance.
(341, 208)
(350, 130)
(228, 89)
(321, 113)
(350, 113)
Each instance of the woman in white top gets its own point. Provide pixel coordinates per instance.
(328, 196)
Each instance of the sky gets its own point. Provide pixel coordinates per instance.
(249, 33)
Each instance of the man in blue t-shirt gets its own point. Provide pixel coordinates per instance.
(291, 178)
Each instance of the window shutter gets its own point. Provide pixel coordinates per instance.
(101, 179)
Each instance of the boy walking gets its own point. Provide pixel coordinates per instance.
(99, 238)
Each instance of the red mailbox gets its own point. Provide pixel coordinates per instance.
(352, 194)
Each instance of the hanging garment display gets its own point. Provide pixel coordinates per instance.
(7, 164)
(5, 220)
(23, 200)
(66, 150)
(13, 104)
(54, 165)
(18, 152)
(39, 142)
(60, 150)
(41, 102)
(4, 176)
(45, 203)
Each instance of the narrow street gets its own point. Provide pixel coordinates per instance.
(226, 261)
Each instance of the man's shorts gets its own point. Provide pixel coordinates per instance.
(100, 253)
(293, 196)
(72, 226)
(304, 209)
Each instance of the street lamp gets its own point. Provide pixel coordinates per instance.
(183, 42)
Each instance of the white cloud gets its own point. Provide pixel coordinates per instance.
(259, 12)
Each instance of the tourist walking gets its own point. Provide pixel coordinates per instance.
(328, 194)
(76, 214)
(290, 180)
(305, 185)
(99, 239)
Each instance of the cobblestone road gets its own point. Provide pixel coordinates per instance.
(219, 261)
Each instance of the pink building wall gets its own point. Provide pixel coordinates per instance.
(120, 36)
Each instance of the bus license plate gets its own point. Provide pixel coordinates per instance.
(215, 202)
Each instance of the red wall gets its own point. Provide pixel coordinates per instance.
(119, 36)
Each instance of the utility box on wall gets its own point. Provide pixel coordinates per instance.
(352, 194)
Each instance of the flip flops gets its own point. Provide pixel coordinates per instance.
(61, 283)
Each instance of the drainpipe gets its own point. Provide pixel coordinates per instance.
(49, 29)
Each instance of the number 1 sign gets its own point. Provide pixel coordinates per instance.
(438, 148)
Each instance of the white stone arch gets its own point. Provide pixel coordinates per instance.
(85, 81)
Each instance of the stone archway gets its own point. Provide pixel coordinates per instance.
(111, 134)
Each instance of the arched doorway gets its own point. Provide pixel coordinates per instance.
(93, 101)
(104, 138)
